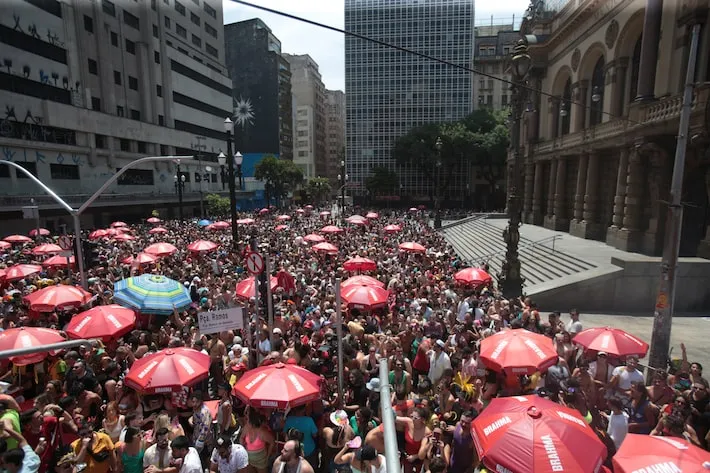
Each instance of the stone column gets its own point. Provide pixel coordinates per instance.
(629, 236)
(557, 220)
(581, 183)
(553, 118)
(618, 218)
(537, 210)
(588, 226)
(551, 190)
(618, 90)
(579, 110)
(528, 191)
(649, 50)
(657, 165)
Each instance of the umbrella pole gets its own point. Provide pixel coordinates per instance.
(339, 332)
(388, 417)
(269, 300)
(248, 327)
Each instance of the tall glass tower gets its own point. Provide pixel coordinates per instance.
(390, 92)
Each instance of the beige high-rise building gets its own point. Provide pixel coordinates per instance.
(309, 149)
(491, 56)
(335, 133)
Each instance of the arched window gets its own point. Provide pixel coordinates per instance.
(565, 108)
(635, 65)
(596, 93)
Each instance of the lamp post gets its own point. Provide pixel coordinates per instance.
(238, 160)
(222, 160)
(228, 127)
(437, 198)
(179, 179)
(510, 280)
(343, 178)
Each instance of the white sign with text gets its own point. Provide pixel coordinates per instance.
(219, 320)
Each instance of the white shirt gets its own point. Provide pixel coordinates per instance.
(152, 456)
(574, 327)
(618, 427)
(237, 460)
(437, 366)
(463, 308)
(191, 463)
(626, 377)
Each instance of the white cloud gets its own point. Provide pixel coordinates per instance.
(327, 47)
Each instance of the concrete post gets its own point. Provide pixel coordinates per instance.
(537, 210)
(629, 237)
(528, 190)
(649, 50)
(581, 183)
(590, 213)
(618, 218)
(551, 189)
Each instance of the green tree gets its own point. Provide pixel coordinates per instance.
(279, 176)
(217, 205)
(318, 188)
(382, 181)
(491, 142)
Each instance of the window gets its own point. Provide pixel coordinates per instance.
(163, 150)
(135, 114)
(167, 22)
(302, 154)
(119, 111)
(117, 78)
(130, 47)
(489, 101)
(114, 39)
(180, 8)
(125, 145)
(131, 20)
(482, 50)
(96, 104)
(136, 177)
(209, 29)
(93, 67)
(161, 122)
(132, 83)
(153, 5)
(88, 24)
(99, 141)
(180, 30)
(196, 41)
(155, 31)
(156, 57)
(491, 51)
(30, 166)
(211, 50)
(195, 19)
(506, 50)
(159, 90)
(108, 7)
(210, 11)
(142, 147)
(183, 50)
(64, 171)
(504, 100)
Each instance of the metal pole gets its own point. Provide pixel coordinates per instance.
(36, 210)
(45, 348)
(388, 417)
(79, 251)
(339, 333)
(179, 184)
(663, 316)
(269, 300)
(232, 192)
(34, 179)
(202, 179)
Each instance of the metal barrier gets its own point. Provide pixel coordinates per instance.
(532, 244)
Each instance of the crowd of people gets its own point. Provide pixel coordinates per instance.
(71, 410)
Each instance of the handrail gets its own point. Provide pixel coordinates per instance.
(533, 244)
(461, 221)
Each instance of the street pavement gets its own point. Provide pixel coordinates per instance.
(694, 331)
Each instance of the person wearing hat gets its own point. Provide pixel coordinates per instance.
(228, 457)
(335, 436)
(439, 362)
(364, 459)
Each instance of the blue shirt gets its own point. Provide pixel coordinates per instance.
(308, 427)
(31, 462)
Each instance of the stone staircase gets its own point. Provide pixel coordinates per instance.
(477, 241)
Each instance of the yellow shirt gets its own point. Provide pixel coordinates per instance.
(102, 444)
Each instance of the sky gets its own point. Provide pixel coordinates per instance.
(326, 47)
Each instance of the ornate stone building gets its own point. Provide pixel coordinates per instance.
(598, 143)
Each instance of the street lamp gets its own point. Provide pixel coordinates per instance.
(238, 160)
(228, 127)
(179, 179)
(510, 280)
(437, 202)
(342, 184)
(222, 160)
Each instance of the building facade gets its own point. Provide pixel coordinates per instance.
(493, 45)
(88, 87)
(309, 148)
(390, 91)
(599, 146)
(262, 76)
(335, 134)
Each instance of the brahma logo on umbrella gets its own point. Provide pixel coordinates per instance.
(83, 324)
(502, 469)
(255, 381)
(188, 368)
(147, 369)
(552, 455)
(25, 341)
(499, 349)
(605, 341)
(296, 384)
(265, 403)
(676, 444)
(665, 467)
(633, 339)
(570, 418)
(496, 425)
(116, 323)
(533, 346)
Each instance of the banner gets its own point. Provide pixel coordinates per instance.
(219, 320)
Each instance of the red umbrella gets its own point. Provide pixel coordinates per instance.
(300, 211)
(124, 237)
(27, 337)
(221, 225)
(359, 264)
(531, 434)
(161, 249)
(42, 231)
(473, 276)
(153, 220)
(57, 260)
(413, 209)
(202, 245)
(412, 247)
(5, 245)
(245, 221)
(21, 271)
(279, 228)
(372, 215)
(357, 220)
(518, 352)
(58, 297)
(324, 213)
(644, 453)
(613, 341)
(331, 229)
(309, 207)
(119, 224)
(168, 371)
(326, 248)
(155, 230)
(105, 321)
(2, 275)
(46, 249)
(364, 297)
(278, 386)
(141, 258)
(393, 229)
(263, 211)
(245, 287)
(17, 239)
(313, 238)
(362, 280)
(96, 234)
(286, 281)
(283, 218)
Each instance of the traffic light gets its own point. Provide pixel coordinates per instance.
(91, 253)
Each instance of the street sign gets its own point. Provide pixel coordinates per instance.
(217, 321)
(64, 242)
(30, 212)
(66, 253)
(255, 263)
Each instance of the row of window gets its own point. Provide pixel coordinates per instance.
(196, 40)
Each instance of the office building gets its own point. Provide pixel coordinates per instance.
(493, 45)
(309, 149)
(335, 133)
(261, 75)
(87, 87)
(390, 91)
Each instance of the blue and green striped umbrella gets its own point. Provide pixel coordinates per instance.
(151, 294)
